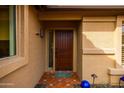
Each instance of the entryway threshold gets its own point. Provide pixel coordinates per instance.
(59, 79)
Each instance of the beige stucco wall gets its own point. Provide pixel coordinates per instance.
(99, 65)
(79, 51)
(98, 47)
(30, 74)
(95, 50)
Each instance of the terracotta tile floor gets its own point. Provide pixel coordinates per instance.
(49, 80)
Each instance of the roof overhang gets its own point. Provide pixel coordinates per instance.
(64, 12)
(87, 6)
(79, 7)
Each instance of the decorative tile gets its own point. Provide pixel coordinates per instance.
(50, 81)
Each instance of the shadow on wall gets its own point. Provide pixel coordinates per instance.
(95, 60)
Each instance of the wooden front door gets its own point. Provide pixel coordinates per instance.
(63, 50)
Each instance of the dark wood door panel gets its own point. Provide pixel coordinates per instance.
(64, 50)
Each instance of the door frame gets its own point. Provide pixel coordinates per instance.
(47, 48)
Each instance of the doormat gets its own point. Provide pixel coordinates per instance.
(63, 74)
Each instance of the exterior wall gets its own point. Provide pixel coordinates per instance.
(96, 43)
(79, 51)
(116, 73)
(30, 74)
(99, 65)
(98, 47)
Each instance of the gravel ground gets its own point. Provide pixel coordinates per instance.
(101, 86)
(92, 86)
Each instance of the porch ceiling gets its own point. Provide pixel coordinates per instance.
(76, 12)
(86, 6)
(51, 7)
